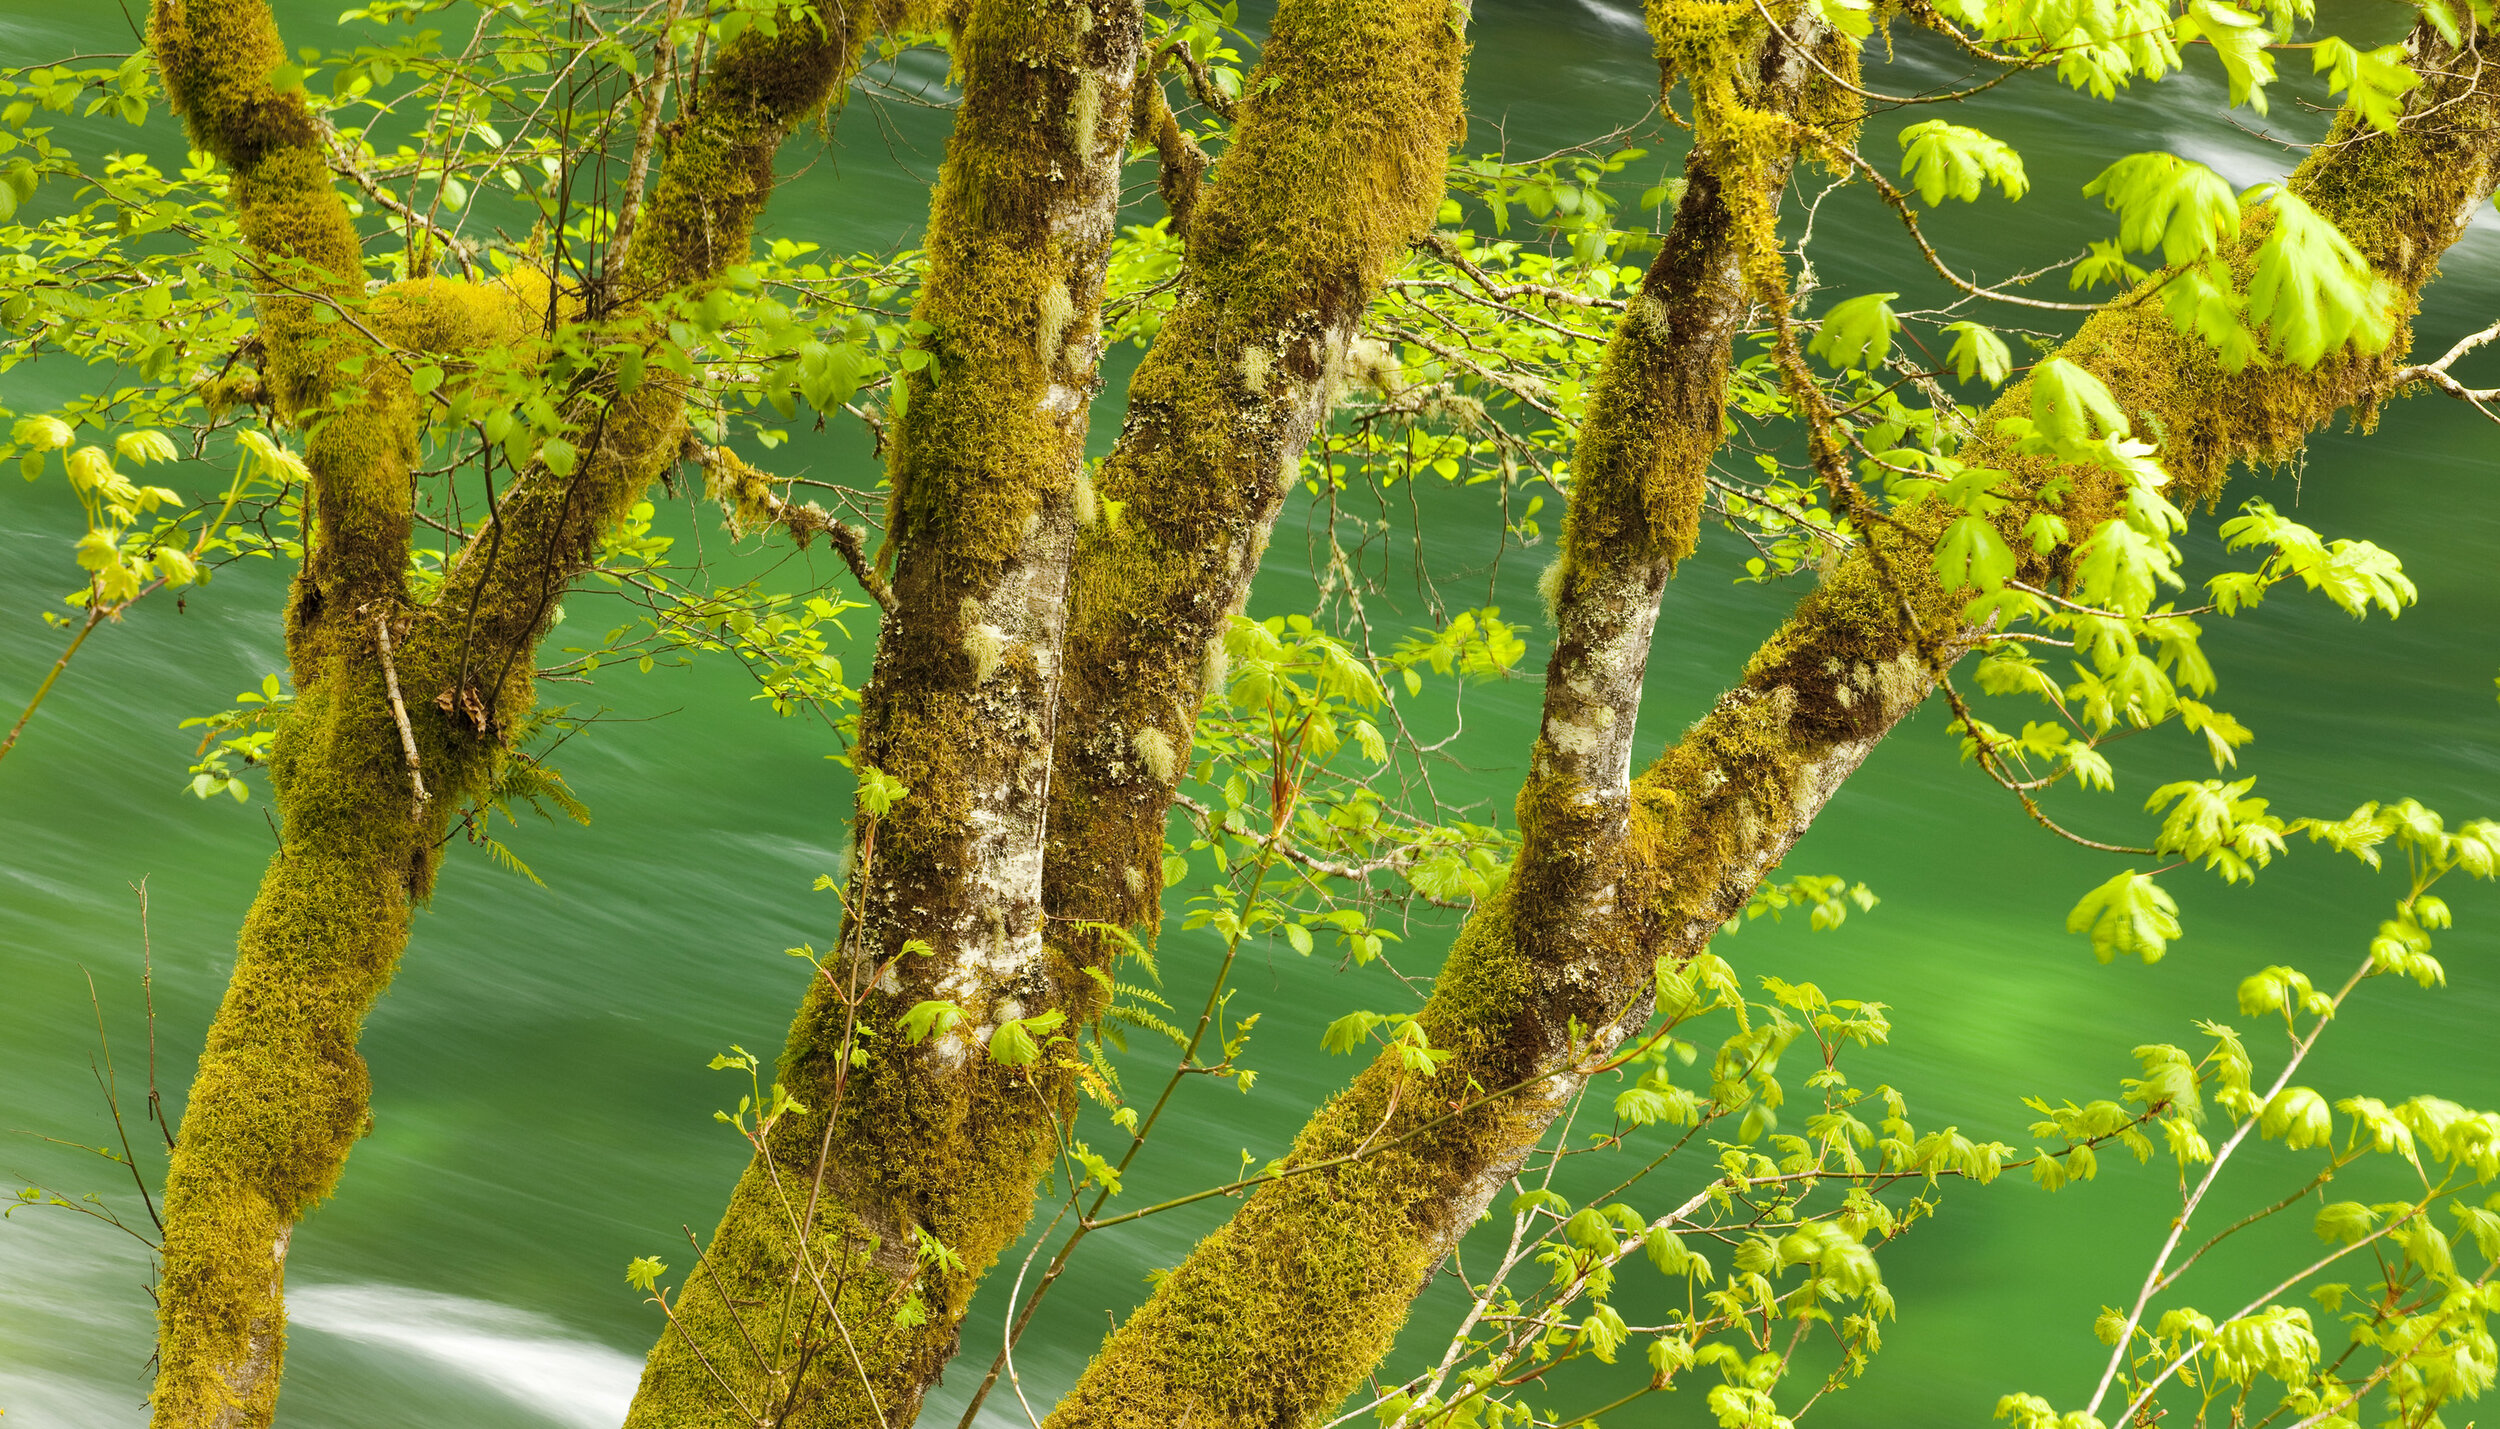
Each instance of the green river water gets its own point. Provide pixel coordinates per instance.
(541, 1110)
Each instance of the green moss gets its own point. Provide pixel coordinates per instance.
(280, 1093)
(1322, 188)
(1276, 237)
(1753, 111)
(1640, 469)
(216, 56)
(1276, 1316)
(450, 316)
(1279, 1314)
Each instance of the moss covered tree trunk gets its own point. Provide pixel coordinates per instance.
(1328, 178)
(1322, 186)
(1278, 1315)
(281, 1093)
(815, 1304)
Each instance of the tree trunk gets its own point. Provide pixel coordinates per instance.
(281, 1094)
(1274, 1318)
(939, 1138)
(814, 1305)
(1332, 173)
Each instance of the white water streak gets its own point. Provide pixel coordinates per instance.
(526, 1358)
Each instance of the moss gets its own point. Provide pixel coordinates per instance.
(280, 1093)
(216, 56)
(1321, 190)
(1755, 103)
(450, 316)
(1655, 417)
(1280, 1314)
(1277, 1316)
(1301, 219)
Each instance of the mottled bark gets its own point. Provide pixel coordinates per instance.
(803, 1316)
(1276, 1316)
(281, 1094)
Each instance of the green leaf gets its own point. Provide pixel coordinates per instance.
(2240, 39)
(2164, 202)
(1858, 332)
(2299, 1116)
(2123, 569)
(560, 456)
(1978, 352)
(1853, 18)
(2128, 914)
(2313, 290)
(1604, 1332)
(1948, 161)
(2377, 79)
(1545, 1199)
(1350, 1031)
(2201, 299)
(1012, 1046)
(2072, 408)
(879, 791)
(930, 1019)
(1590, 1230)
(644, 1271)
(2104, 262)
(1973, 553)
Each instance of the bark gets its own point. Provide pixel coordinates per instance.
(281, 1093)
(1278, 1315)
(813, 1305)
(1320, 191)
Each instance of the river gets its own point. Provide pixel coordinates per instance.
(541, 1108)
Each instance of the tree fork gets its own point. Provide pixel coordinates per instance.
(1322, 187)
(1276, 1316)
(281, 1093)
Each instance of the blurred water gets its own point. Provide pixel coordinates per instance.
(526, 1358)
(541, 1109)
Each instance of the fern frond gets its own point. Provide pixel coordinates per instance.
(502, 855)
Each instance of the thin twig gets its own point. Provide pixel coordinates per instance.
(147, 991)
(399, 711)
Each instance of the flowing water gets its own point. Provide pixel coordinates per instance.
(541, 1109)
